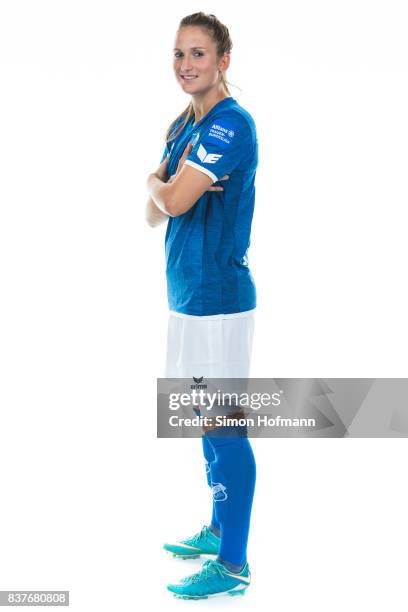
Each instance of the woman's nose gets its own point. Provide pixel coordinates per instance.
(185, 65)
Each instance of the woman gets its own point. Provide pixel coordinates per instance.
(211, 291)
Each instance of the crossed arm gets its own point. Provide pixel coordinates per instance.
(171, 197)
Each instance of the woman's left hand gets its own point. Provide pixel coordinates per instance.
(181, 162)
(161, 171)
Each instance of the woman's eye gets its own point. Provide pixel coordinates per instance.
(199, 53)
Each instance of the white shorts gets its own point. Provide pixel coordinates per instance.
(217, 346)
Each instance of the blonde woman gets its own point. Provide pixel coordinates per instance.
(204, 189)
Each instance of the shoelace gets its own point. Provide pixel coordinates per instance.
(198, 536)
(209, 567)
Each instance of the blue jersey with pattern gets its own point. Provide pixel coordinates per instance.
(207, 247)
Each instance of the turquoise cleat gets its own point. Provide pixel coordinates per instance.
(213, 579)
(203, 543)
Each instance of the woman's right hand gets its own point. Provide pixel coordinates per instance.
(218, 187)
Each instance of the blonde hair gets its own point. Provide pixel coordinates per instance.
(220, 35)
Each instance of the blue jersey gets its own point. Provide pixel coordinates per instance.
(207, 246)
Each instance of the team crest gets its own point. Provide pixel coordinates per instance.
(219, 491)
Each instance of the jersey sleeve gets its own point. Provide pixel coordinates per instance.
(220, 146)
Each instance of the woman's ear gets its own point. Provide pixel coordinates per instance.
(225, 62)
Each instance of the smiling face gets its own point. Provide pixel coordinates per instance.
(195, 56)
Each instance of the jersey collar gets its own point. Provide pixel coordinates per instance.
(221, 103)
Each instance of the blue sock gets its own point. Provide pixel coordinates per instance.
(215, 531)
(233, 474)
(235, 569)
(210, 457)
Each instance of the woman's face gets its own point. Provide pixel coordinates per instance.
(195, 55)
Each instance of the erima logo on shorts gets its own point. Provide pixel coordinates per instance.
(207, 158)
(219, 491)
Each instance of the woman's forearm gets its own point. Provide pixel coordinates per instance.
(154, 216)
(159, 192)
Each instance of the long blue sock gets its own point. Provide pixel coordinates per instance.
(233, 475)
(210, 457)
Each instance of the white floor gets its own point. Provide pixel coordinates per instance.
(328, 528)
(89, 513)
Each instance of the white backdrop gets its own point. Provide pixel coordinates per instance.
(88, 494)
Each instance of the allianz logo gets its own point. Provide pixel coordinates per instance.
(230, 133)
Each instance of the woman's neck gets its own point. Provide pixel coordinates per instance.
(203, 106)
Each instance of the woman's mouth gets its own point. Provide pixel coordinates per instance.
(188, 77)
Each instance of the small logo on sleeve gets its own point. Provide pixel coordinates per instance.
(222, 132)
(207, 158)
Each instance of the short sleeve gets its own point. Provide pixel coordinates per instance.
(220, 146)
